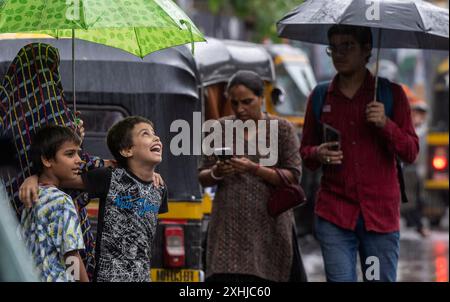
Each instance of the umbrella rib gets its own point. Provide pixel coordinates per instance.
(422, 25)
(421, 17)
(162, 6)
(345, 12)
(138, 44)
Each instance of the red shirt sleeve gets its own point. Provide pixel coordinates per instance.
(310, 138)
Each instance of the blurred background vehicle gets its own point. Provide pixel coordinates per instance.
(437, 183)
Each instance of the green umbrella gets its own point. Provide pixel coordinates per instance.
(136, 26)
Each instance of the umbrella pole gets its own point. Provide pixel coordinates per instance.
(73, 74)
(377, 64)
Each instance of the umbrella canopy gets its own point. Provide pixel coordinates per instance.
(404, 23)
(136, 26)
(115, 72)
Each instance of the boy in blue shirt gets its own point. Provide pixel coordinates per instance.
(51, 228)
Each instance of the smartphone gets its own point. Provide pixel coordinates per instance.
(223, 154)
(331, 134)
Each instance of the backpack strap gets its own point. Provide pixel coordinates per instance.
(384, 95)
(319, 96)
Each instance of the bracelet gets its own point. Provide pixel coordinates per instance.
(214, 176)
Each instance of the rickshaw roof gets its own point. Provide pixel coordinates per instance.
(218, 60)
(105, 69)
(285, 49)
(283, 53)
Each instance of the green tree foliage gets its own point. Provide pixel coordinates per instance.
(262, 15)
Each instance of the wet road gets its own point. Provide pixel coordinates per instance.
(421, 259)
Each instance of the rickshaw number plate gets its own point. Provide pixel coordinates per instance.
(176, 275)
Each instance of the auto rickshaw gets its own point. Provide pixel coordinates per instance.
(296, 79)
(295, 76)
(162, 87)
(436, 183)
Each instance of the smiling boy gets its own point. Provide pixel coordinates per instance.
(129, 202)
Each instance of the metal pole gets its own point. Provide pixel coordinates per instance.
(377, 65)
(73, 72)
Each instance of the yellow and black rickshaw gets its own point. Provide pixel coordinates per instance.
(163, 87)
(437, 183)
(295, 78)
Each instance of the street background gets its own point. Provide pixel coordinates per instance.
(421, 259)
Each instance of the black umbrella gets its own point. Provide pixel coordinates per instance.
(394, 23)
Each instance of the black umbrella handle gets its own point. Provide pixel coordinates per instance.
(377, 65)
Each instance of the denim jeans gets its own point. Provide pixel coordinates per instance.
(378, 252)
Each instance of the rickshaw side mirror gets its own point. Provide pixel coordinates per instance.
(277, 96)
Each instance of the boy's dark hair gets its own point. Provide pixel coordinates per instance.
(363, 35)
(47, 141)
(119, 136)
(249, 79)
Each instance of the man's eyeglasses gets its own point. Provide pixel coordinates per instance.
(341, 49)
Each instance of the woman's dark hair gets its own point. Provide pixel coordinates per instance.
(363, 35)
(119, 137)
(47, 141)
(249, 79)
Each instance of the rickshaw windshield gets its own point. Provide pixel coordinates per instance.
(297, 81)
(439, 110)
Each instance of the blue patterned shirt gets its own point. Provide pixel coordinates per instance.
(51, 229)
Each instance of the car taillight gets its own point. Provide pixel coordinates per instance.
(174, 252)
(440, 160)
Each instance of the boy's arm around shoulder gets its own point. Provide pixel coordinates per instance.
(29, 190)
(164, 207)
(96, 182)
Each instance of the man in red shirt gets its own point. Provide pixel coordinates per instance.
(358, 203)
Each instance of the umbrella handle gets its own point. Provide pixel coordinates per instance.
(377, 65)
(76, 119)
(73, 72)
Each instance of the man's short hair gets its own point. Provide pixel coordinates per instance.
(363, 35)
(47, 141)
(120, 138)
